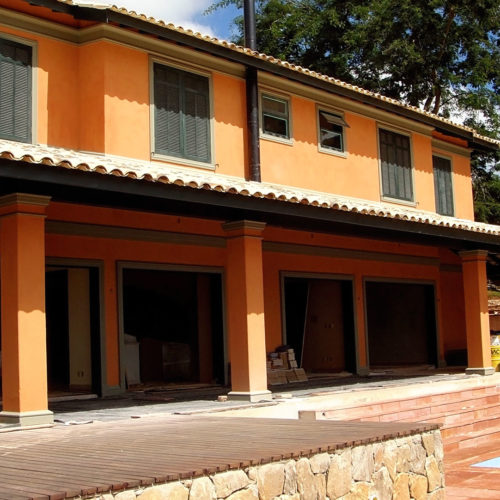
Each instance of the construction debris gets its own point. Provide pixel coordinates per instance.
(282, 367)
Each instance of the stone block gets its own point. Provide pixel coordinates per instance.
(339, 475)
(438, 446)
(151, 494)
(434, 475)
(227, 483)
(125, 495)
(382, 484)
(270, 481)
(391, 458)
(378, 455)
(359, 491)
(418, 487)
(428, 442)
(306, 483)
(403, 458)
(362, 463)
(202, 489)
(437, 495)
(171, 491)
(250, 493)
(401, 487)
(320, 463)
(417, 458)
(290, 486)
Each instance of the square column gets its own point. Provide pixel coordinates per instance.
(476, 312)
(245, 311)
(22, 267)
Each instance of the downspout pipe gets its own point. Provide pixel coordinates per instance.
(252, 94)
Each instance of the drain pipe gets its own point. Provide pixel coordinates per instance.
(252, 94)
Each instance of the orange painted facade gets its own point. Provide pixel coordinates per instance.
(93, 93)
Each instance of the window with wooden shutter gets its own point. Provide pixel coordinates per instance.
(181, 114)
(443, 188)
(15, 90)
(396, 169)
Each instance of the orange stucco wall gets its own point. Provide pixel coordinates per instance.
(411, 262)
(96, 97)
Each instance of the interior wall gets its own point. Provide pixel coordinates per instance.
(80, 356)
(401, 323)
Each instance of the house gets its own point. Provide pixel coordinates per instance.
(163, 218)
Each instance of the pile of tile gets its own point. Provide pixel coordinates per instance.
(282, 367)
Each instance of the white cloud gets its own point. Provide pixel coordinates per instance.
(179, 12)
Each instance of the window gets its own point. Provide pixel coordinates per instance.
(395, 157)
(15, 90)
(275, 117)
(331, 132)
(442, 185)
(181, 114)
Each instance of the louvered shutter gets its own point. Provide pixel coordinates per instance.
(442, 185)
(182, 114)
(396, 165)
(15, 91)
(167, 94)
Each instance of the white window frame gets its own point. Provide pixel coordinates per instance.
(340, 114)
(210, 165)
(34, 80)
(278, 97)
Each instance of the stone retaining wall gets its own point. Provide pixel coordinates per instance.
(397, 469)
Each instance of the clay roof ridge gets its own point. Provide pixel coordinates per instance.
(274, 60)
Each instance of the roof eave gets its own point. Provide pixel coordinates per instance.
(89, 13)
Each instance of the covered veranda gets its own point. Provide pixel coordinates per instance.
(241, 240)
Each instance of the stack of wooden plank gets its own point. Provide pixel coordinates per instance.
(282, 367)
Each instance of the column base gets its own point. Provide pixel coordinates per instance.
(27, 418)
(489, 370)
(363, 371)
(253, 397)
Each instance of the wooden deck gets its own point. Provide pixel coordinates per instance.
(67, 461)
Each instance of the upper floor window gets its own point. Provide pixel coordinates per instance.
(396, 168)
(15, 90)
(443, 188)
(275, 119)
(181, 114)
(331, 132)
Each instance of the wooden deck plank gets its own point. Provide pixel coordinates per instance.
(98, 457)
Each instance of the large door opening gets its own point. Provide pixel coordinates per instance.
(401, 320)
(319, 323)
(173, 327)
(73, 330)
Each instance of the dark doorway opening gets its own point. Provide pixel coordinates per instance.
(319, 323)
(401, 319)
(173, 327)
(73, 330)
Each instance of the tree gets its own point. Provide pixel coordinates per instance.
(440, 55)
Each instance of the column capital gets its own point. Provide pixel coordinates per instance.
(23, 203)
(244, 228)
(473, 255)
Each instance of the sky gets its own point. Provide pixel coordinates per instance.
(186, 13)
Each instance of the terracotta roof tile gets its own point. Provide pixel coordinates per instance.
(292, 67)
(153, 171)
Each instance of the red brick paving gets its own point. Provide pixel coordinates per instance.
(464, 482)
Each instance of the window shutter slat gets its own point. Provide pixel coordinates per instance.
(15, 91)
(182, 116)
(396, 165)
(443, 185)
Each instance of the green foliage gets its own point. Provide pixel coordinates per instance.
(440, 55)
